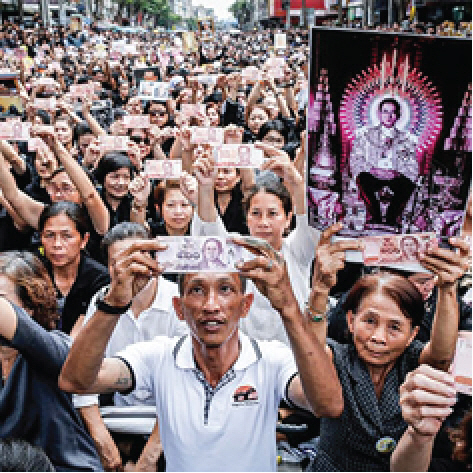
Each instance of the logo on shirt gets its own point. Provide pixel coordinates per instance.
(245, 395)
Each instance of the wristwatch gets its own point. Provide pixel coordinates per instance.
(110, 309)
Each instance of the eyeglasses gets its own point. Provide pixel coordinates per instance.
(139, 140)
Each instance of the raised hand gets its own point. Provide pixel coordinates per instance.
(140, 189)
(330, 258)
(189, 187)
(268, 271)
(427, 397)
(205, 170)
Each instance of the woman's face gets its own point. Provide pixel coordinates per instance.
(139, 137)
(271, 105)
(274, 138)
(213, 116)
(61, 188)
(61, 241)
(257, 117)
(45, 162)
(227, 179)
(158, 114)
(266, 218)
(64, 132)
(381, 332)
(116, 183)
(176, 210)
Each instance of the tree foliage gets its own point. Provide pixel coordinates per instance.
(241, 9)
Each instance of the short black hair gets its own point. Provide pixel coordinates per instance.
(180, 283)
(270, 125)
(271, 186)
(394, 102)
(74, 211)
(111, 162)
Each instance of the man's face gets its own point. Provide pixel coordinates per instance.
(387, 115)
(212, 305)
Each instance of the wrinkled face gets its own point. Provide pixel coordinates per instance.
(381, 332)
(61, 241)
(61, 188)
(387, 115)
(45, 162)
(158, 114)
(212, 304)
(116, 183)
(274, 138)
(257, 117)
(227, 179)
(214, 118)
(266, 218)
(176, 211)
(64, 132)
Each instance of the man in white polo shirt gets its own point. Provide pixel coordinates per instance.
(216, 391)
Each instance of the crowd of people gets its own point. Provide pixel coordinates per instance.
(89, 317)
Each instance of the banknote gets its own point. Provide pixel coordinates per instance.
(209, 254)
(275, 62)
(15, 131)
(193, 109)
(280, 41)
(113, 143)
(461, 368)
(34, 144)
(136, 121)
(238, 156)
(211, 135)
(399, 249)
(46, 104)
(163, 168)
(161, 90)
(207, 79)
(82, 90)
(146, 87)
(251, 74)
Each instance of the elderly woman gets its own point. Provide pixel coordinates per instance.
(383, 315)
(31, 358)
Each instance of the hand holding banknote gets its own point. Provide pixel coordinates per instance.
(448, 265)
(140, 188)
(205, 170)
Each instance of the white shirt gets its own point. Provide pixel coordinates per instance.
(298, 249)
(229, 428)
(158, 319)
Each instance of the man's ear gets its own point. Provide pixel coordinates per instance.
(177, 304)
(246, 304)
(350, 319)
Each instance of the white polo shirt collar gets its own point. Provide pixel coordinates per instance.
(249, 353)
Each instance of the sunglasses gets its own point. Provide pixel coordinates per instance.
(158, 113)
(139, 140)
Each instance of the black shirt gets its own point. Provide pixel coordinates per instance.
(122, 214)
(91, 276)
(33, 408)
(234, 218)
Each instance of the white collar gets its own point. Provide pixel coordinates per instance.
(249, 353)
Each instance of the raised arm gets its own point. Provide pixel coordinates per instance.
(205, 172)
(317, 387)
(26, 207)
(85, 370)
(427, 397)
(97, 130)
(449, 266)
(95, 206)
(12, 157)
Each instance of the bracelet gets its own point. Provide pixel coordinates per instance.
(316, 315)
(110, 309)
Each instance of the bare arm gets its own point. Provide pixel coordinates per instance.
(205, 173)
(151, 452)
(97, 130)
(449, 266)
(85, 371)
(12, 157)
(95, 206)
(19, 222)
(26, 207)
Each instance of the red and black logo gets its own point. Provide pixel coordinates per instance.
(244, 394)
